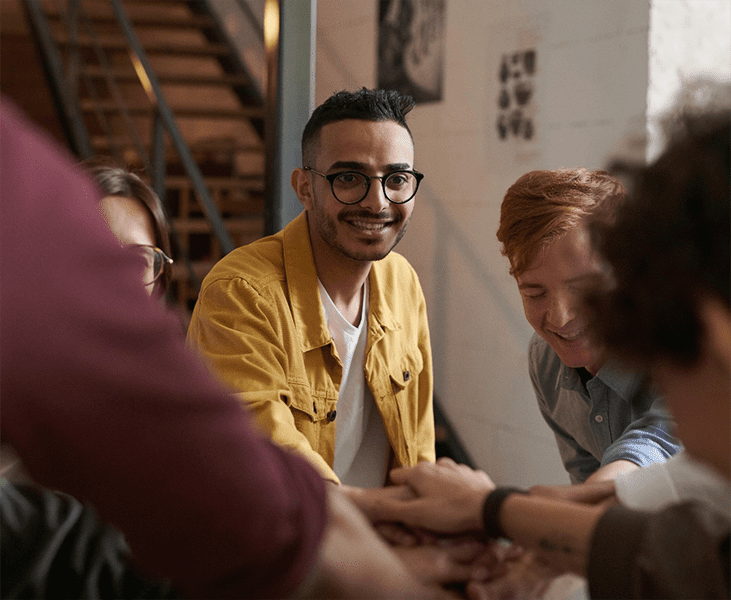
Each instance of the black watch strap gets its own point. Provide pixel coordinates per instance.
(491, 510)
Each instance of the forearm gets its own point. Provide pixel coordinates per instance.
(350, 553)
(559, 532)
(611, 470)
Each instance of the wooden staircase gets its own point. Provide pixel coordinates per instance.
(216, 103)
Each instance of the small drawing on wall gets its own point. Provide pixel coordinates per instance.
(516, 96)
(411, 47)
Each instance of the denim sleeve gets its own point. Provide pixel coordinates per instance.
(645, 441)
(578, 462)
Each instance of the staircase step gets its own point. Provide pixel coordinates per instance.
(201, 269)
(102, 142)
(120, 45)
(253, 182)
(216, 180)
(173, 22)
(253, 226)
(122, 75)
(181, 112)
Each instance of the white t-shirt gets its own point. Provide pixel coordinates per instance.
(678, 479)
(361, 444)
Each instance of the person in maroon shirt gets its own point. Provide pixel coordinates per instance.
(101, 399)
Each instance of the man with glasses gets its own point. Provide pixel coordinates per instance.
(321, 328)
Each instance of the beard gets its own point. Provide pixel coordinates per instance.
(334, 232)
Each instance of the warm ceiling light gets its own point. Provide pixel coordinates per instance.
(271, 24)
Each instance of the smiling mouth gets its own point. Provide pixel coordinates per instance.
(570, 336)
(368, 224)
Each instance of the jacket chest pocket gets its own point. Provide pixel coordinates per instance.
(310, 407)
(314, 417)
(404, 373)
(398, 400)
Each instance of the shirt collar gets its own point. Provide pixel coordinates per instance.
(624, 383)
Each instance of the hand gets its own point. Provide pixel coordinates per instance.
(368, 499)
(444, 563)
(349, 555)
(523, 578)
(449, 497)
(398, 534)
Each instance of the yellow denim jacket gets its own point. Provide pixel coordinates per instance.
(260, 324)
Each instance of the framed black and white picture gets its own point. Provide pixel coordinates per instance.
(411, 47)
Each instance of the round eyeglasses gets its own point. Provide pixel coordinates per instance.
(350, 187)
(154, 261)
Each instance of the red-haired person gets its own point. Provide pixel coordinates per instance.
(605, 418)
(667, 311)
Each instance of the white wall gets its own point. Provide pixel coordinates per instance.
(690, 40)
(591, 84)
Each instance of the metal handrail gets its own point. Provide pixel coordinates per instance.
(68, 108)
(116, 95)
(64, 89)
(249, 14)
(149, 80)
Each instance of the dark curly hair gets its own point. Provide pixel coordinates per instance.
(669, 247)
(364, 104)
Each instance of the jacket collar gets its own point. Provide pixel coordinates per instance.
(304, 293)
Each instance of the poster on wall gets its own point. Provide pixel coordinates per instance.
(411, 47)
(516, 77)
(516, 96)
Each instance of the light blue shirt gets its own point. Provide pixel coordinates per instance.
(611, 418)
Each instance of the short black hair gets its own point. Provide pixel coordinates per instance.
(669, 247)
(364, 104)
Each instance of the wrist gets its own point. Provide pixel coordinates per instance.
(491, 511)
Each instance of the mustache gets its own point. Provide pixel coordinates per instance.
(384, 215)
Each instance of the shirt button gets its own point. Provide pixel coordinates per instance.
(598, 418)
(331, 415)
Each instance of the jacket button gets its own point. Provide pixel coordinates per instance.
(407, 375)
(314, 407)
(331, 415)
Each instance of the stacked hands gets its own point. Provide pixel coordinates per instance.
(432, 519)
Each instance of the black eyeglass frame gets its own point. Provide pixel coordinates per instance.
(166, 260)
(333, 176)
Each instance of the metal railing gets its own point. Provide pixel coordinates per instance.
(64, 86)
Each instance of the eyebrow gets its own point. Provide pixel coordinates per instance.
(528, 285)
(522, 286)
(359, 166)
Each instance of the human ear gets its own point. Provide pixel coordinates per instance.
(302, 186)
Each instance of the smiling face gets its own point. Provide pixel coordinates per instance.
(552, 288)
(369, 230)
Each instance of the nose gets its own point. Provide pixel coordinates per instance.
(375, 199)
(561, 309)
